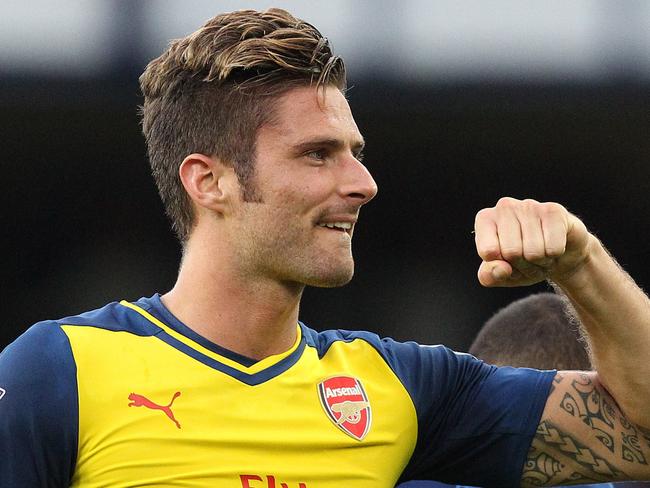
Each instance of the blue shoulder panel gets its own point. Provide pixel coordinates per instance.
(38, 409)
(115, 317)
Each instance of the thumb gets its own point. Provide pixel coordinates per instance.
(494, 273)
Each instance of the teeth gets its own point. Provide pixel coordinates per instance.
(337, 225)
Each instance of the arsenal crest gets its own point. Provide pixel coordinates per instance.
(346, 404)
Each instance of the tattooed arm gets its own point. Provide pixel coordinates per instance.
(584, 437)
(595, 426)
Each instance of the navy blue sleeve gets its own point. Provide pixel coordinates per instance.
(38, 409)
(475, 421)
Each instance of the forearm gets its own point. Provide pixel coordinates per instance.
(615, 314)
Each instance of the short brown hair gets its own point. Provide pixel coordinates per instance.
(211, 91)
(535, 332)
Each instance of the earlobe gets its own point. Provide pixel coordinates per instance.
(207, 181)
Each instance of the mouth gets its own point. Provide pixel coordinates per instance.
(345, 227)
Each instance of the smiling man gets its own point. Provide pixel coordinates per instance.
(258, 162)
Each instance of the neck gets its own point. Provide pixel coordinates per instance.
(252, 317)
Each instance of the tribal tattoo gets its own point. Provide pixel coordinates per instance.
(540, 468)
(603, 445)
(570, 447)
(591, 407)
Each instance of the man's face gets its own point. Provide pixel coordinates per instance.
(310, 185)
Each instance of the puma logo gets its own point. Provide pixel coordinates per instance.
(141, 401)
(350, 411)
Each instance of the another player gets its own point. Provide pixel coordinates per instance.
(538, 331)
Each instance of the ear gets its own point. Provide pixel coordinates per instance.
(209, 182)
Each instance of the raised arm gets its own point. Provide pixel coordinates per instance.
(595, 426)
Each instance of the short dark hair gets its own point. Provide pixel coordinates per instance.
(536, 332)
(211, 91)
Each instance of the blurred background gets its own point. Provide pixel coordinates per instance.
(460, 102)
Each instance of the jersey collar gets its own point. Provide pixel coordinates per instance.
(178, 335)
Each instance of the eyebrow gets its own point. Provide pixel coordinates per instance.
(330, 143)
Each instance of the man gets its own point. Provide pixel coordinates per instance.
(215, 383)
(537, 331)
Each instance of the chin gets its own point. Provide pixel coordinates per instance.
(331, 282)
(332, 278)
(320, 272)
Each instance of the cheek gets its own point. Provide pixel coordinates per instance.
(294, 201)
(302, 193)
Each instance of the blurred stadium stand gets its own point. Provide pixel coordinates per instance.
(460, 101)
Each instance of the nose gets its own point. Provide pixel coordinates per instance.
(359, 185)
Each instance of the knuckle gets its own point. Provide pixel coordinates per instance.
(489, 252)
(552, 209)
(534, 255)
(530, 205)
(484, 213)
(507, 202)
(511, 253)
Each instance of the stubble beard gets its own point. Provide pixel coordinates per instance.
(314, 269)
(291, 258)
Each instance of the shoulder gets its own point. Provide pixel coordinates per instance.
(398, 354)
(421, 368)
(43, 354)
(42, 347)
(38, 408)
(39, 399)
(114, 316)
(386, 346)
(40, 360)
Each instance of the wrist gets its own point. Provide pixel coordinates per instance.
(582, 273)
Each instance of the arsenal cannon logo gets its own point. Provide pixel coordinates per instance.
(346, 404)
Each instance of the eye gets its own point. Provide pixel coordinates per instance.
(317, 154)
(359, 156)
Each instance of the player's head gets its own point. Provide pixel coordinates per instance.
(535, 332)
(211, 91)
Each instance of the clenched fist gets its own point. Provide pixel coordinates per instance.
(523, 242)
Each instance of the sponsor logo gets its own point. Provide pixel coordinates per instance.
(268, 481)
(141, 401)
(346, 404)
(2, 392)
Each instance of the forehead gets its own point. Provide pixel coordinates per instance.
(312, 113)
